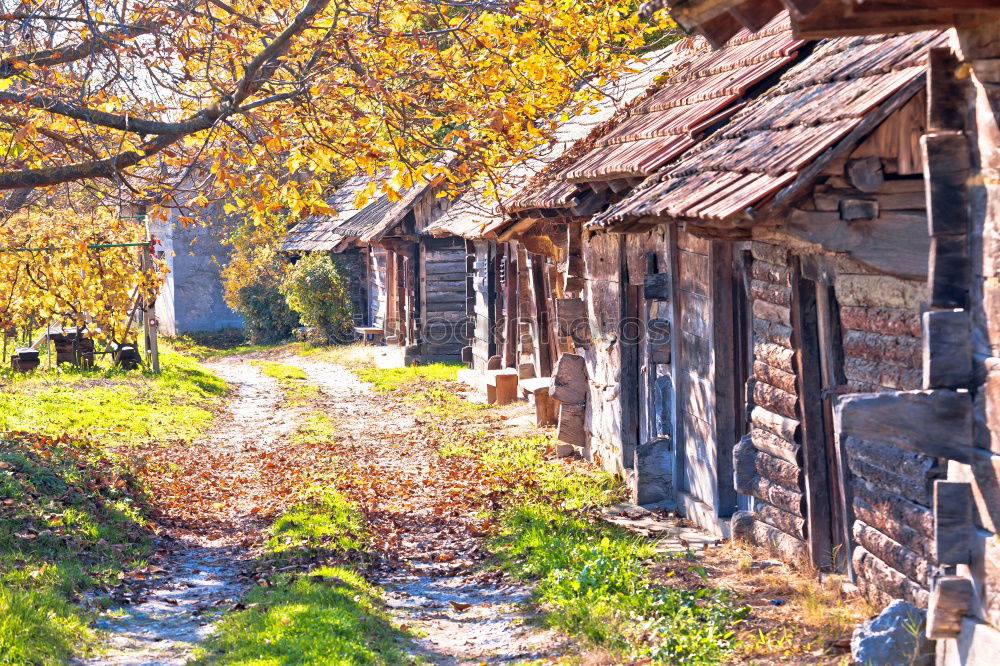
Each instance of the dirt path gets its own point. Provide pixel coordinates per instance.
(216, 497)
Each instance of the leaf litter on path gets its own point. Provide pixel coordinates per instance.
(216, 497)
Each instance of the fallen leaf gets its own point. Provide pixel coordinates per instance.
(460, 605)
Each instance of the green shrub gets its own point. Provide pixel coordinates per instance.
(267, 315)
(316, 288)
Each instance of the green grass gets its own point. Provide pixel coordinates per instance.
(219, 345)
(387, 380)
(123, 407)
(330, 615)
(71, 517)
(316, 427)
(281, 371)
(592, 579)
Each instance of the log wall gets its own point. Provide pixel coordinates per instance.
(483, 295)
(889, 490)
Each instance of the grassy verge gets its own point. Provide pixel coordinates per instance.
(115, 406)
(388, 380)
(71, 518)
(328, 615)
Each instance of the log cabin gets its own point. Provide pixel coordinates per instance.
(953, 415)
(517, 278)
(642, 387)
(408, 287)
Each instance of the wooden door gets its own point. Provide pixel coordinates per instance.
(818, 350)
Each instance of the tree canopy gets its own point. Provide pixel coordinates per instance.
(120, 93)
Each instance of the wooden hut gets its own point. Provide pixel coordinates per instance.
(664, 372)
(832, 293)
(409, 287)
(952, 417)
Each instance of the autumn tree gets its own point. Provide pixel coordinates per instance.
(102, 90)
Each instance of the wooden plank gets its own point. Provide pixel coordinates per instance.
(571, 425)
(953, 522)
(819, 518)
(951, 600)
(947, 349)
(658, 341)
(694, 353)
(693, 272)
(896, 243)
(936, 423)
(694, 312)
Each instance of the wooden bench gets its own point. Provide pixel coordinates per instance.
(501, 386)
(370, 334)
(546, 407)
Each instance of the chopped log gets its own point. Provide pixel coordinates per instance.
(467, 354)
(526, 370)
(947, 349)
(783, 520)
(889, 509)
(950, 601)
(772, 493)
(569, 380)
(915, 490)
(775, 355)
(775, 400)
(571, 314)
(783, 545)
(851, 209)
(776, 255)
(782, 426)
(936, 423)
(953, 522)
(546, 407)
(656, 287)
(768, 272)
(865, 376)
(866, 174)
(770, 292)
(770, 312)
(776, 446)
(880, 347)
(771, 332)
(896, 555)
(744, 462)
(494, 363)
(893, 528)
(571, 423)
(882, 320)
(775, 377)
(873, 571)
(907, 464)
(881, 291)
(506, 387)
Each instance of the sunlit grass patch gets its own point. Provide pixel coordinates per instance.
(322, 523)
(116, 406)
(316, 427)
(592, 581)
(330, 616)
(387, 380)
(296, 389)
(281, 370)
(71, 517)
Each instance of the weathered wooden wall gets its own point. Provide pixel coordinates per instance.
(484, 293)
(354, 263)
(889, 491)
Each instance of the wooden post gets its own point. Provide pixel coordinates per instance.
(150, 325)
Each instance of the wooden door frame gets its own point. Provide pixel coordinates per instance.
(727, 416)
(805, 320)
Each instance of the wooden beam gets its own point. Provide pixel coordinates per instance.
(935, 423)
(950, 601)
(755, 14)
(954, 509)
(947, 349)
(945, 92)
